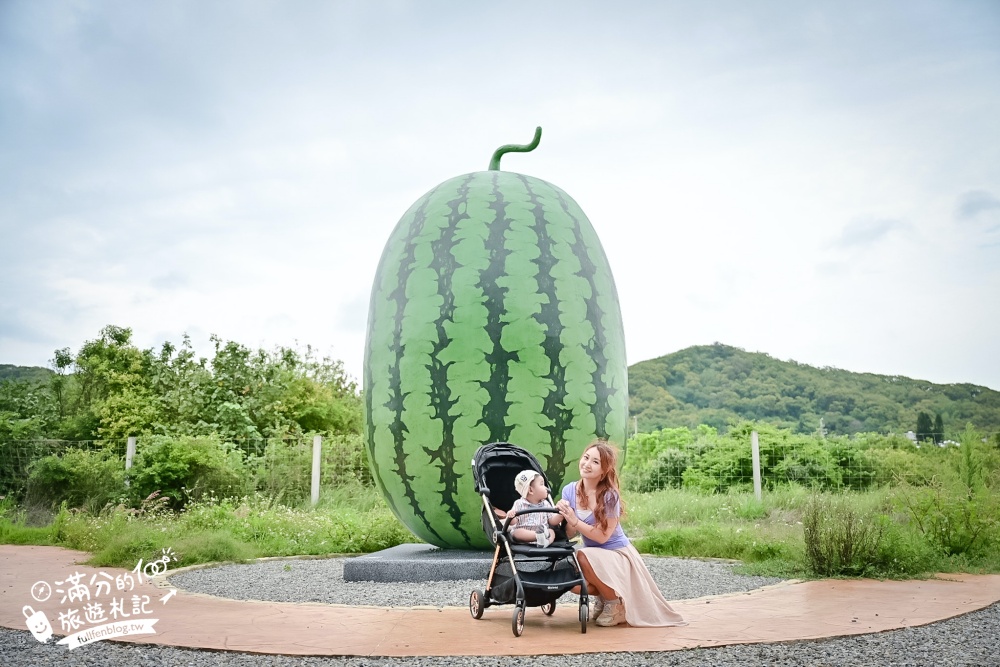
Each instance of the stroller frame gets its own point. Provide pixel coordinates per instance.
(494, 467)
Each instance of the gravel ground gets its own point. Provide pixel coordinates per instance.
(972, 639)
(321, 580)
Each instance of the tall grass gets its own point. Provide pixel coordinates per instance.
(765, 534)
(351, 520)
(949, 521)
(769, 536)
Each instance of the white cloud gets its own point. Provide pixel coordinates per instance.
(868, 232)
(976, 203)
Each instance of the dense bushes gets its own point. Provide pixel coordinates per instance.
(184, 469)
(869, 505)
(958, 509)
(703, 460)
(875, 505)
(110, 390)
(79, 478)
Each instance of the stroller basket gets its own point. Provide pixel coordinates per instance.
(539, 587)
(522, 574)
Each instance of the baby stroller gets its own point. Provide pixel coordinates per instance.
(523, 574)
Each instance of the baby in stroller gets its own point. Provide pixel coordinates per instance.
(533, 563)
(535, 527)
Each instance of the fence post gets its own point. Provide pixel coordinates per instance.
(317, 451)
(755, 451)
(129, 455)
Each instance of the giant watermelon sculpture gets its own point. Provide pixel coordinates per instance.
(493, 317)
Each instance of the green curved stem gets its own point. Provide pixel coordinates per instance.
(514, 148)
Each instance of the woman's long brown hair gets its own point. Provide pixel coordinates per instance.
(608, 482)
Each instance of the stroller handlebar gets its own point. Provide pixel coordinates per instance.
(539, 510)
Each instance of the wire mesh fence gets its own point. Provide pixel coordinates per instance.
(17, 457)
(682, 459)
(282, 468)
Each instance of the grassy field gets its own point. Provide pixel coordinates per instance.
(767, 536)
(349, 520)
(876, 505)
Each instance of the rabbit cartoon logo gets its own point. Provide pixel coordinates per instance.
(38, 623)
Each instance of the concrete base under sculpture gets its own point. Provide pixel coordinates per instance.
(417, 563)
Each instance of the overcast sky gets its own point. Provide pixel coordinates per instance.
(819, 181)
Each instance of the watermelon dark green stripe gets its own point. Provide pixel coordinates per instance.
(596, 347)
(498, 358)
(398, 427)
(548, 317)
(369, 377)
(441, 400)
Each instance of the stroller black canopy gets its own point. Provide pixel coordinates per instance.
(495, 465)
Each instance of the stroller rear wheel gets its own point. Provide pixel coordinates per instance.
(517, 620)
(549, 608)
(476, 604)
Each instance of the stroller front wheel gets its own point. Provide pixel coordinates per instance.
(517, 621)
(476, 604)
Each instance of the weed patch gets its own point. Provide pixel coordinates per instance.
(840, 539)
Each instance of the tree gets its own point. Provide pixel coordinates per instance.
(938, 428)
(113, 382)
(925, 430)
(110, 389)
(26, 410)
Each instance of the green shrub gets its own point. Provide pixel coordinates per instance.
(808, 464)
(840, 539)
(656, 460)
(904, 553)
(665, 471)
(896, 466)
(958, 510)
(82, 479)
(857, 467)
(367, 532)
(704, 461)
(954, 521)
(188, 468)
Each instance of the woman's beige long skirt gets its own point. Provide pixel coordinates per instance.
(624, 571)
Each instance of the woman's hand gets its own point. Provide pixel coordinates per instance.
(567, 512)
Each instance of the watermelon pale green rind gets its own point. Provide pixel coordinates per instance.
(493, 317)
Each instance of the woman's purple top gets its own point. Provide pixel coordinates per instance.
(611, 507)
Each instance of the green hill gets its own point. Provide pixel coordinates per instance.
(717, 385)
(30, 373)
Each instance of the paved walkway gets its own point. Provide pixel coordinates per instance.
(786, 612)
